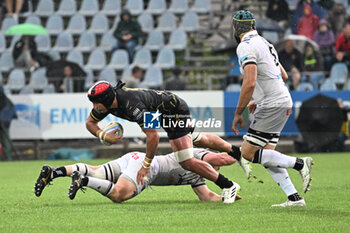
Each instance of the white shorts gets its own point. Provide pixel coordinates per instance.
(268, 123)
(271, 119)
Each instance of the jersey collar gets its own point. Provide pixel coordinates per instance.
(254, 32)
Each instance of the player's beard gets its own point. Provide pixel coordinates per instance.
(238, 39)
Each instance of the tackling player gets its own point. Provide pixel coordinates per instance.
(130, 104)
(117, 179)
(263, 80)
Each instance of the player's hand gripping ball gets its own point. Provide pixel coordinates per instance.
(115, 127)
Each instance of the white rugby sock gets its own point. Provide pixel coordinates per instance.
(105, 187)
(272, 158)
(280, 175)
(82, 168)
(108, 171)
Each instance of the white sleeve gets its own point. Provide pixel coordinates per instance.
(199, 153)
(246, 54)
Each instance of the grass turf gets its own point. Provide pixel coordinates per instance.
(177, 209)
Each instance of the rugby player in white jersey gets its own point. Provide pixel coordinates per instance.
(117, 179)
(267, 98)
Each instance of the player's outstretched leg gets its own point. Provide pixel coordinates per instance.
(43, 179)
(77, 183)
(230, 194)
(305, 173)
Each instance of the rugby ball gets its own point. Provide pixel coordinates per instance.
(109, 128)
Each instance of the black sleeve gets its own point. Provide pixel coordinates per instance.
(98, 116)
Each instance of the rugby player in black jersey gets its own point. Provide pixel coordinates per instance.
(130, 104)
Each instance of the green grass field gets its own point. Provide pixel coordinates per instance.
(177, 209)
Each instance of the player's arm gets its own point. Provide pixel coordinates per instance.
(151, 149)
(152, 142)
(92, 126)
(205, 194)
(249, 82)
(284, 73)
(248, 85)
(218, 159)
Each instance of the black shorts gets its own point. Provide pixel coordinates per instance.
(177, 114)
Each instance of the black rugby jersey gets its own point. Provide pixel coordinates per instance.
(132, 102)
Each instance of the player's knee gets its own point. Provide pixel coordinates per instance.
(119, 194)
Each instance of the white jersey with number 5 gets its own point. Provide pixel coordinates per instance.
(270, 87)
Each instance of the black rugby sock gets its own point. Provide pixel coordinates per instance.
(59, 172)
(235, 153)
(223, 182)
(294, 197)
(299, 164)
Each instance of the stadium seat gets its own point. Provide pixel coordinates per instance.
(165, 59)
(305, 87)
(54, 24)
(201, 6)
(43, 42)
(153, 78)
(339, 73)
(7, 23)
(270, 36)
(190, 22)
(115, 23)
(89, 7)
(233, 87)
(45, 8)
(55, 55)
(87, 42)
(328, 85)
(27, 90)
(6, 61)
(111, 7)
(97, 60)
(38, 80)
(126, 73)
(49, 89)
(89, 80)
(156, 7)
(178, 6)
(347, 86)
(33, 19)
(119, 60)
(13, 42)
(77, 24)
(143, 58)
(2, 43)
(99, 24)
(146, 22)
(178, 40)
(108, 41)
(75, 56)
(16, 80)
(67, 8)
(64, 42)
(167, 22)
(108, 75)
(134, 6)
(155, 40)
